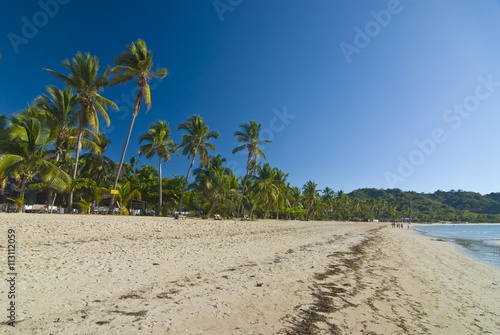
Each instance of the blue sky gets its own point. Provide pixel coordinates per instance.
(353, 94)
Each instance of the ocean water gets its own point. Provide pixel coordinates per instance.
(479, 241)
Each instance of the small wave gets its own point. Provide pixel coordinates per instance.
(492, 242)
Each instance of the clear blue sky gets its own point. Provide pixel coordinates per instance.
(353, 94)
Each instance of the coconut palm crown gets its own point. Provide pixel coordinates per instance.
(250, 135)
(194, 143)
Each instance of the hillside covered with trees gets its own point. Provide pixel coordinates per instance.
(457, 206)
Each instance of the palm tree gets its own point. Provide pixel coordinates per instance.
(311, 195)
(158, 144)
(126, 193)
(173, 190)
(3, 137)
(96, 166)
(3, 127)
(134, 64)
(343, 204)
(328, 199)
(90, 193)
(282, 186)
(263, 186)
(215, 184)
(195, 143)
(59, 107)
(249, 135)
(25, 154)
(85, 80)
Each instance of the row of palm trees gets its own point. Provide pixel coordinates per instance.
(72, 114)
(55, 145)
(263, 191)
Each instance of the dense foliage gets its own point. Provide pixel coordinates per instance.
(458, 206)
(53, 153)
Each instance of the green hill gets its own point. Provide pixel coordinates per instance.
(459, 206)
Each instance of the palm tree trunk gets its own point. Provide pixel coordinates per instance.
(267, 210)
(241, 206)
(22, 191)
(254, 205)
(249, 161)
(186, 183)
(75, 169)
(211, 210)
(53, 202)
(51, 198)
(160, 200)
(120, 165)
(137, 105)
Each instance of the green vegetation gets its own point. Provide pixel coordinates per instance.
(456, 206)
(54, 151)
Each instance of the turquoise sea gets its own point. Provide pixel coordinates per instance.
(479, 241)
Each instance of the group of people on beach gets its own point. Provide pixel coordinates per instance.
(399, 225)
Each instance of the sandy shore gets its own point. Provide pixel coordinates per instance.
(129, 275)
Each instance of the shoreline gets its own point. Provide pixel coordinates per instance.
(472, 247)
(92, 274)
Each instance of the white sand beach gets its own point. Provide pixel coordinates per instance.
(90, 274)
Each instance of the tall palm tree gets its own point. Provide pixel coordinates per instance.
(85, 80)
(159, 144)
(250, 135)
(134, 64)
(195, 143)
(59, 108)
(24, 154)
(311, 196)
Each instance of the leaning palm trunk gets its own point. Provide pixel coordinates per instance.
(241, 206)
(137, 105)
(53, 195)
(186, 183)
(211, 209)
(75, 169)
(254, 205)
